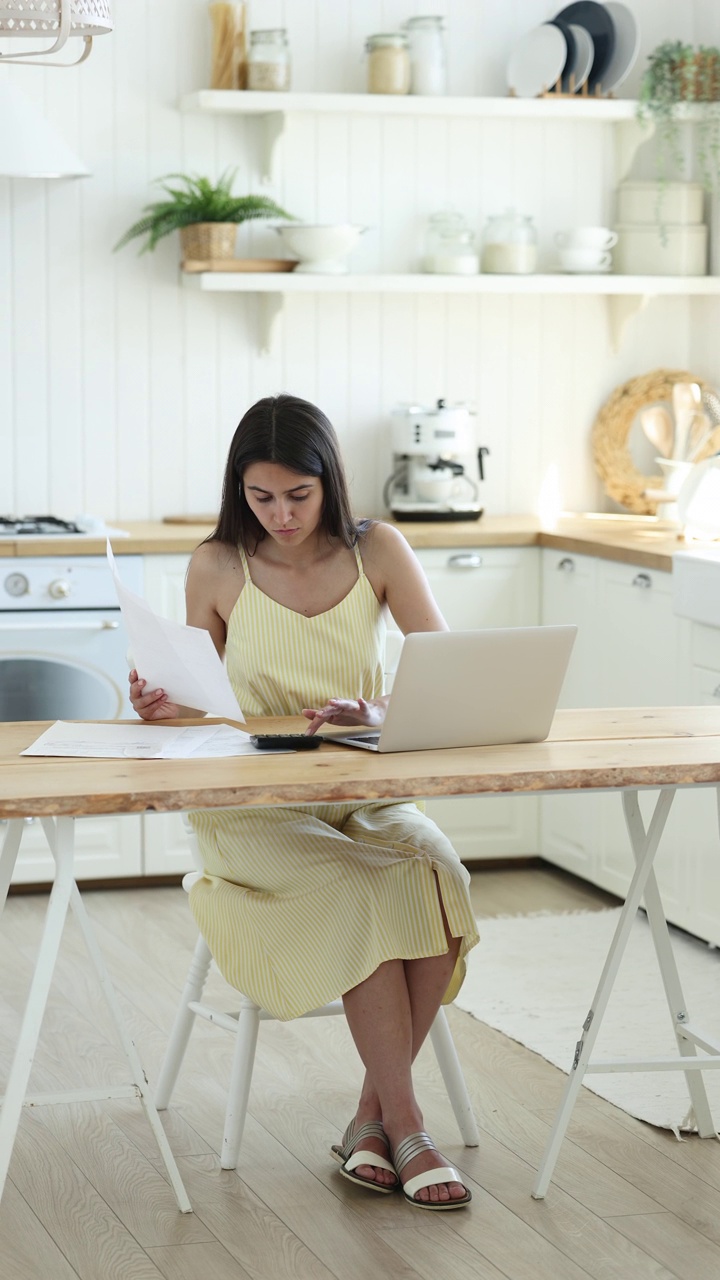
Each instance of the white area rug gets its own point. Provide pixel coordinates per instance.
(534, 977)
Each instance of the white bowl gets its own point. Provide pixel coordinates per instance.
(321, 249)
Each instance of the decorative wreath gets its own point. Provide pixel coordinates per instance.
(611, 430)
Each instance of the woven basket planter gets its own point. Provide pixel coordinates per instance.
(699, 81)
(207, 240)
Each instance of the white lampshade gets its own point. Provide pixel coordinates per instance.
(30, 18)
(31, 147)
(54, 20)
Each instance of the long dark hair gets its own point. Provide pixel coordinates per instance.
(296, 435)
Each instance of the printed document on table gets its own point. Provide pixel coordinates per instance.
(109, 740)
(168, 655)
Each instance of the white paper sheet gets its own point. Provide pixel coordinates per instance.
(168, 655)
(109, 740)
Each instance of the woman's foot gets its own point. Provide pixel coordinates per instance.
(367, 1137)
(416, 1156)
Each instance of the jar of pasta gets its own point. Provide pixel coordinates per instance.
(388, 63)
(268, 60)
(229, 66)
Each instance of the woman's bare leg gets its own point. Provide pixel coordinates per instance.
(389, 1015)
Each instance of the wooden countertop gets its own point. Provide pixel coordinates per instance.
(642, 540)
(586, 749)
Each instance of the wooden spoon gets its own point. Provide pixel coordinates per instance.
(687, 401)
(657, 425)
(700, 431)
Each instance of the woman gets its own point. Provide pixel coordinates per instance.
(293, 592)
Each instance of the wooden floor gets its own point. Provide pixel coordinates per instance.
(86, 1196)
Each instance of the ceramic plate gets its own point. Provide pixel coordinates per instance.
(627, 46)
(600, 27)
(536, 63)
(571, 58)
(585, 55)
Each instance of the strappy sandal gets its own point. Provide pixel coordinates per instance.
(350, 1157)
(412, 1146)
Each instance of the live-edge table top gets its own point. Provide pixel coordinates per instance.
(587, 750)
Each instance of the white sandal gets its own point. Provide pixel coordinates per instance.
(351, 1158)
(412, 1146)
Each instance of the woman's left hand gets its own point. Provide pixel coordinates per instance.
(346, 711)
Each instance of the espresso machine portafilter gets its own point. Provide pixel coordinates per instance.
(437, 465)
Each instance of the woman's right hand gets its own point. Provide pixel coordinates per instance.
(154, 705)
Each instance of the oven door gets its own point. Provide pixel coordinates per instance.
(69, 665)
(64, 665)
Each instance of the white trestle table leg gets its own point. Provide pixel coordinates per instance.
(37, 998)
(8, 857)
(60, 834)
(684, 1031)
(644, 846)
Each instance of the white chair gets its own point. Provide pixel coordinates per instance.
(245, 1024)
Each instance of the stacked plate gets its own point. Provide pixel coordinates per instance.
(586, 47)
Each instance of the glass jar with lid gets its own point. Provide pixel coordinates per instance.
(510, 244)
(268, 60)
(450, 245)
(427, 55)
(388, 63)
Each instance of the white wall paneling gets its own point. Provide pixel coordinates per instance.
(119, 390)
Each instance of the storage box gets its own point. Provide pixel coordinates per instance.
(647, 203)
(640, 251)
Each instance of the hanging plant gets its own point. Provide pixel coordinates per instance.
(678, 74)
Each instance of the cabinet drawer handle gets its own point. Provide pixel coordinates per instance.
(566, 564)
(642, 580)
(466, 561)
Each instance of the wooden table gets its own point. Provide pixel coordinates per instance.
(624, 750)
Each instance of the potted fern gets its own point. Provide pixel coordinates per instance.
(205, 214)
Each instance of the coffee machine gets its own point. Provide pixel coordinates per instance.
(437, 464)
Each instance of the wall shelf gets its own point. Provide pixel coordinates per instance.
(273, 109)
(405, 282)
(246, 102)
(625, 295)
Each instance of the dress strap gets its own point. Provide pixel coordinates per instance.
(244, 563)
(358, 559)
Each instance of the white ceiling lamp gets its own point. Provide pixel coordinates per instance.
(55, 20)
(31, 147)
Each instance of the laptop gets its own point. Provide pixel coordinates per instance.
(472, 689)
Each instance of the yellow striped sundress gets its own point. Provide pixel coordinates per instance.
(300, 903)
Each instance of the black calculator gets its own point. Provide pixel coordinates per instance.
(285, 741)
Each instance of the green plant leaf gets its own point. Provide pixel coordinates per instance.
(195, 198)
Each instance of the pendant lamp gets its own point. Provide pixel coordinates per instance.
(54, 20)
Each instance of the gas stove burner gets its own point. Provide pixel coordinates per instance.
(45, 526)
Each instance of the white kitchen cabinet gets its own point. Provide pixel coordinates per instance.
(633, 651)
(165, 844)
(105, 849)
(568, 823)
(164, 578)
(567, 594)
(700, 858)
(638, 644)
(477, 588)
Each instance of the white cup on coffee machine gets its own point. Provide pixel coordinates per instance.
(433, 484)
